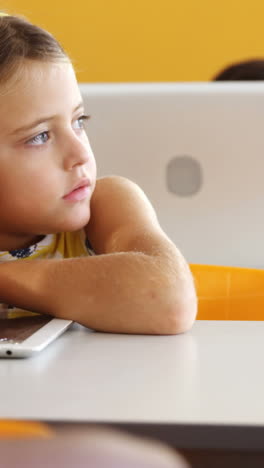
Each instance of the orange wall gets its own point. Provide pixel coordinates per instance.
(150, 40)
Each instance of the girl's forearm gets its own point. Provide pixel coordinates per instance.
(122, 292)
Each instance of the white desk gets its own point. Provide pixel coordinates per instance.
(212, 375)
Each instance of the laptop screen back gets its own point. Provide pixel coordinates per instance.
(197, 150)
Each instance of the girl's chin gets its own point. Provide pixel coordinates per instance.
(76, 223)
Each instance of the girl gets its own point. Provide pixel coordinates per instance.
(52, 210)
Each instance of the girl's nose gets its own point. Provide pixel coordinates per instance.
(77, 153)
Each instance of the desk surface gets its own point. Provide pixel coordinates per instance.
(211, 375)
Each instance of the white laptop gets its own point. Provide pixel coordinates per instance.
(23, 334)
(197, 150)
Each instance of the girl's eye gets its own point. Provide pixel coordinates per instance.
(39, 139)
(80, 121)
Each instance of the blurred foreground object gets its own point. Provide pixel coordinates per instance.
(96, 448)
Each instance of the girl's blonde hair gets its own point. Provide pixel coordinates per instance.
(20, 40)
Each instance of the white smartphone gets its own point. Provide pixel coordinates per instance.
(23, 334)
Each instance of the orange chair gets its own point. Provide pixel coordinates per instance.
(11, 429)
(229, 293)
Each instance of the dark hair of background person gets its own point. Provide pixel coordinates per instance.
(247, 70)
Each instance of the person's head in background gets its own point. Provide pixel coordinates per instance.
(44, 149)
(247, 70)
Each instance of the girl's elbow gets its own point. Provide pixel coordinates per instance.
(179, 313)
(184, 315)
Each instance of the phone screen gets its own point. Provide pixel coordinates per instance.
(18, 325)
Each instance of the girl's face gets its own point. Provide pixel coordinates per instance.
(44, 154)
